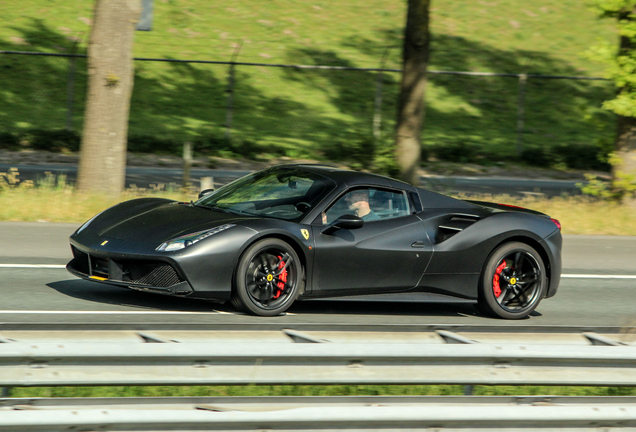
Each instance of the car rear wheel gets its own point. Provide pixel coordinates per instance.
(268, 278)
(513, 281)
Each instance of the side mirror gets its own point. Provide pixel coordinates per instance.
(347, 222)
(205, 192)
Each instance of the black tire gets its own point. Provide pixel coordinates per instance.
(513, 281)
(268, 278)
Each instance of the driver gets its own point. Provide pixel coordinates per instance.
(358, 201)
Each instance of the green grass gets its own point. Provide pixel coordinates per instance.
(324, 114)
(315, 390)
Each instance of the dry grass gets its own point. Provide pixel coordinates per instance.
(55, 201)
(580, 215)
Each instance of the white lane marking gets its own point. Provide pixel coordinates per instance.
(591, 276)
(106, 312)
(46, 266)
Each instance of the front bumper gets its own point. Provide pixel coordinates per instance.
(140, 274)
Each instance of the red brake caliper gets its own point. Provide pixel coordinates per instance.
(495, 279)
(282, 277)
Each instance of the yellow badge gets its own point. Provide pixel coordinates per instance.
(270, 278)
(513, 281)
(305, 233)
(104, 242)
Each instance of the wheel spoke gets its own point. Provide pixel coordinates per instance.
(521, 295)
(264, 263)
(517, 263)
(524, 281)
(502, 296)
(253, 289)
(269, 290)
(287, 259)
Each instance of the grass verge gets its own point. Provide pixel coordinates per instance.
(316, 390)
(53, 200)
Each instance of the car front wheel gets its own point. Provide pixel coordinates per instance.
(268, 278)
(513, 281)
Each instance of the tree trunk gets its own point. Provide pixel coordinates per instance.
(626, 152)
(625, 145)
(102, 165)
(411, 102)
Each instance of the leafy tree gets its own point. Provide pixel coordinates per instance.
(621, 68)
(411, 103)
(102, 165)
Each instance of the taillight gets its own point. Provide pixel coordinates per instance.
(557, 223)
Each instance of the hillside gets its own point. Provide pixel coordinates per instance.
(320, 113)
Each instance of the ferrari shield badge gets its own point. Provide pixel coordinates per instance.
(305, 233)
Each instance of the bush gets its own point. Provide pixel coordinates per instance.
(580, 156)
(359, 151)
(536, 156)
(152, 144)
(53, 140)
(237, 147)
(8, 141)
(455, 152)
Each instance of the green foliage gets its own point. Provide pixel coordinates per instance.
(620, 61)
(455, 152)
(359, 151)
(53, 140)
(9, 141)
(579, 156)
(622, 187)
(237, 147)
(154, 144)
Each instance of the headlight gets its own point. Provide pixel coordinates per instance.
(190, 239)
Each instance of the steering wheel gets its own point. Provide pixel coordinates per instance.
(302, 206)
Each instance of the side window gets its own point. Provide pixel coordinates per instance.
(370, 204)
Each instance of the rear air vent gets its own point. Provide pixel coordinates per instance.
(453, 225)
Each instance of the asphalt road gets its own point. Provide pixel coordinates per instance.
(143, 177)
(51, 295)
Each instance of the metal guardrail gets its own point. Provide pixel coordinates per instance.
(52, 364)
(314, 333)
(318, 413)
(486, 355)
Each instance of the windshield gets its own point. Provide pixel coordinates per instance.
(281, 193)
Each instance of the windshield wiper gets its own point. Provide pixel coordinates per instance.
(209, 207)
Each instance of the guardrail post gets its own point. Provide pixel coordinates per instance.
(206, 183)
(523, 78)
(5, 392)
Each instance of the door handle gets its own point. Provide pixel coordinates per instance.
(419, 244)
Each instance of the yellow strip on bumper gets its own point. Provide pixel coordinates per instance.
(98, 278)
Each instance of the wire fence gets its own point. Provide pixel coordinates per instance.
(292, 109)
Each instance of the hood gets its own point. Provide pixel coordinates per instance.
(157, 221)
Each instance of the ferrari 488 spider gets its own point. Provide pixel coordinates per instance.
(306, 231)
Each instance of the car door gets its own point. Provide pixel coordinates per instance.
(388, 253)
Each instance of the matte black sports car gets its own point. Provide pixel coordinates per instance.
(307, 231)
